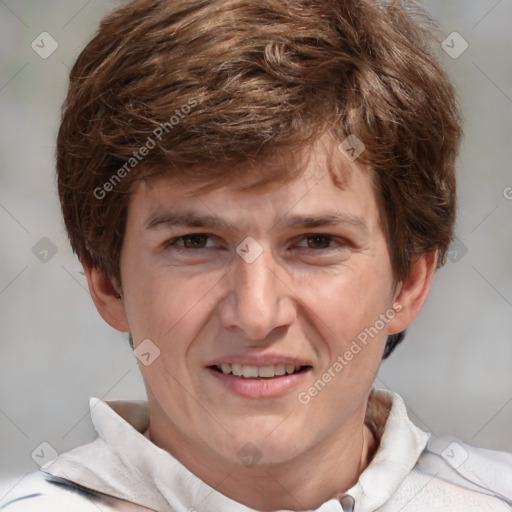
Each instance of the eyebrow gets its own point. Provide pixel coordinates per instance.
(192, 219)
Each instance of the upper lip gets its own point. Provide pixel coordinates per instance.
(258, 360)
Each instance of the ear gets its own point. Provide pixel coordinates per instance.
(106, 298)
(412, 292)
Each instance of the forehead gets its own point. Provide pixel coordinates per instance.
(324, 178)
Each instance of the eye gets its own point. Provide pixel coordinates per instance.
(316, 242)
(319, 241)
(191, 241)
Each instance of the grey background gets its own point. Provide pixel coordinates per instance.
(453, 370)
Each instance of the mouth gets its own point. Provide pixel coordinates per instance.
(259, 372)
(259, 381)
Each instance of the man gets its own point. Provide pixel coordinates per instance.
(260, 193)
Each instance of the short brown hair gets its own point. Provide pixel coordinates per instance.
(211, 87)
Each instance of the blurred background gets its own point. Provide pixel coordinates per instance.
(454, 369)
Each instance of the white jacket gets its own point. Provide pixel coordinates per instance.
(121, 470)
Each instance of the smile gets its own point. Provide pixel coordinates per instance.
(259, 382)
(265, 372)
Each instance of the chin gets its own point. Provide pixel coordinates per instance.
(264, 447)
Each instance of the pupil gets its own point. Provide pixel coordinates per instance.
(195, 239)
(316, 239)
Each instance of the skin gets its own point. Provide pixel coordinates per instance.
(302, 297)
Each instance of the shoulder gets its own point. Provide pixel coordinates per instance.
(39, 491)
(452, 475)
(45, 493)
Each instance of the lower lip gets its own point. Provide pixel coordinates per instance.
(261, 387)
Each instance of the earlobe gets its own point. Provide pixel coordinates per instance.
(106, 298)
(412, 292)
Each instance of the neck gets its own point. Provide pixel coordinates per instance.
(306, 482)
(302, 483)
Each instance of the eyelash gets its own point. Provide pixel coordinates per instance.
(172, 243)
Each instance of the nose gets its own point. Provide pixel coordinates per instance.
(259, 299)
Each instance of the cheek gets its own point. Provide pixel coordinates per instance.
(347, 303)
(353, 336)
(165, 303)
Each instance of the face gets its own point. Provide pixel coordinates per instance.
(267, 311)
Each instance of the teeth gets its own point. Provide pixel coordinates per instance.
(248, 371)
(280, 369)
(265, 371)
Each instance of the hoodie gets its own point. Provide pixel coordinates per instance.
(123, 471)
